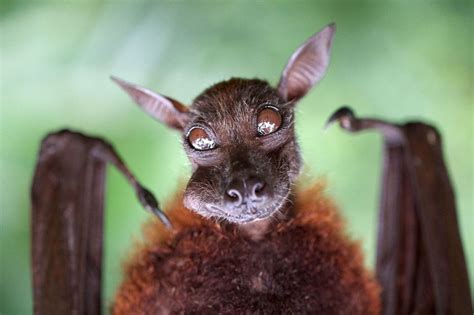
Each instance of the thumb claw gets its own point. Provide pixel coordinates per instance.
(344, 112)
(149, 202)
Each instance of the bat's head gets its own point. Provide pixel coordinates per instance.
(239, 136)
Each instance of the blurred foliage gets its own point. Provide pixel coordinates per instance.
(391, 60)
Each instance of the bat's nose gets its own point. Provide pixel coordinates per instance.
(252, 190)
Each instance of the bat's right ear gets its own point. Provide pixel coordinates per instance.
(162, 108)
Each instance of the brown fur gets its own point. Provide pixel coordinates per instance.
(303, 263)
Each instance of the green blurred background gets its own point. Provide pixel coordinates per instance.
(391, 60)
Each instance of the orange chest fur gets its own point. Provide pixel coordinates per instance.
(302, 263)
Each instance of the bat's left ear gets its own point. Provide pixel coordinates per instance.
(162, 108)
(307, 65)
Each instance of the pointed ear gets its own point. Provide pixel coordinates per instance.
(307, 65)
(162, 108)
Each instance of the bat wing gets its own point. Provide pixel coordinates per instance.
(420, 260)
(67, 214)
(67, 205)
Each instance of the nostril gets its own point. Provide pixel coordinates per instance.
(234, 195)
(258, 189)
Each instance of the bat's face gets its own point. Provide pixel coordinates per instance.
(239, 136)
(240, 140)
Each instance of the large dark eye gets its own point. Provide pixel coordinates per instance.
(269, 120)
(200, 140)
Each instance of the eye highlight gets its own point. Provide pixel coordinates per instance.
(268, 121)
(200, 140)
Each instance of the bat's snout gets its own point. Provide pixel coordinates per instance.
(252, 192)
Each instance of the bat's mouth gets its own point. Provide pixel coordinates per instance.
(246, 213)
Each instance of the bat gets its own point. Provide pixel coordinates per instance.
(242, 238)
(240, 139)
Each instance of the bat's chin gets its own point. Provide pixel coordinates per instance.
(244, 213)
(239, 218)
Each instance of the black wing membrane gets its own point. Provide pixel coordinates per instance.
(67, 205)
(420, 260)
(67, 226)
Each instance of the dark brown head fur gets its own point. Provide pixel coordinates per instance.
(229, 110)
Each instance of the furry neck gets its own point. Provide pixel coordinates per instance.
(256, 230)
